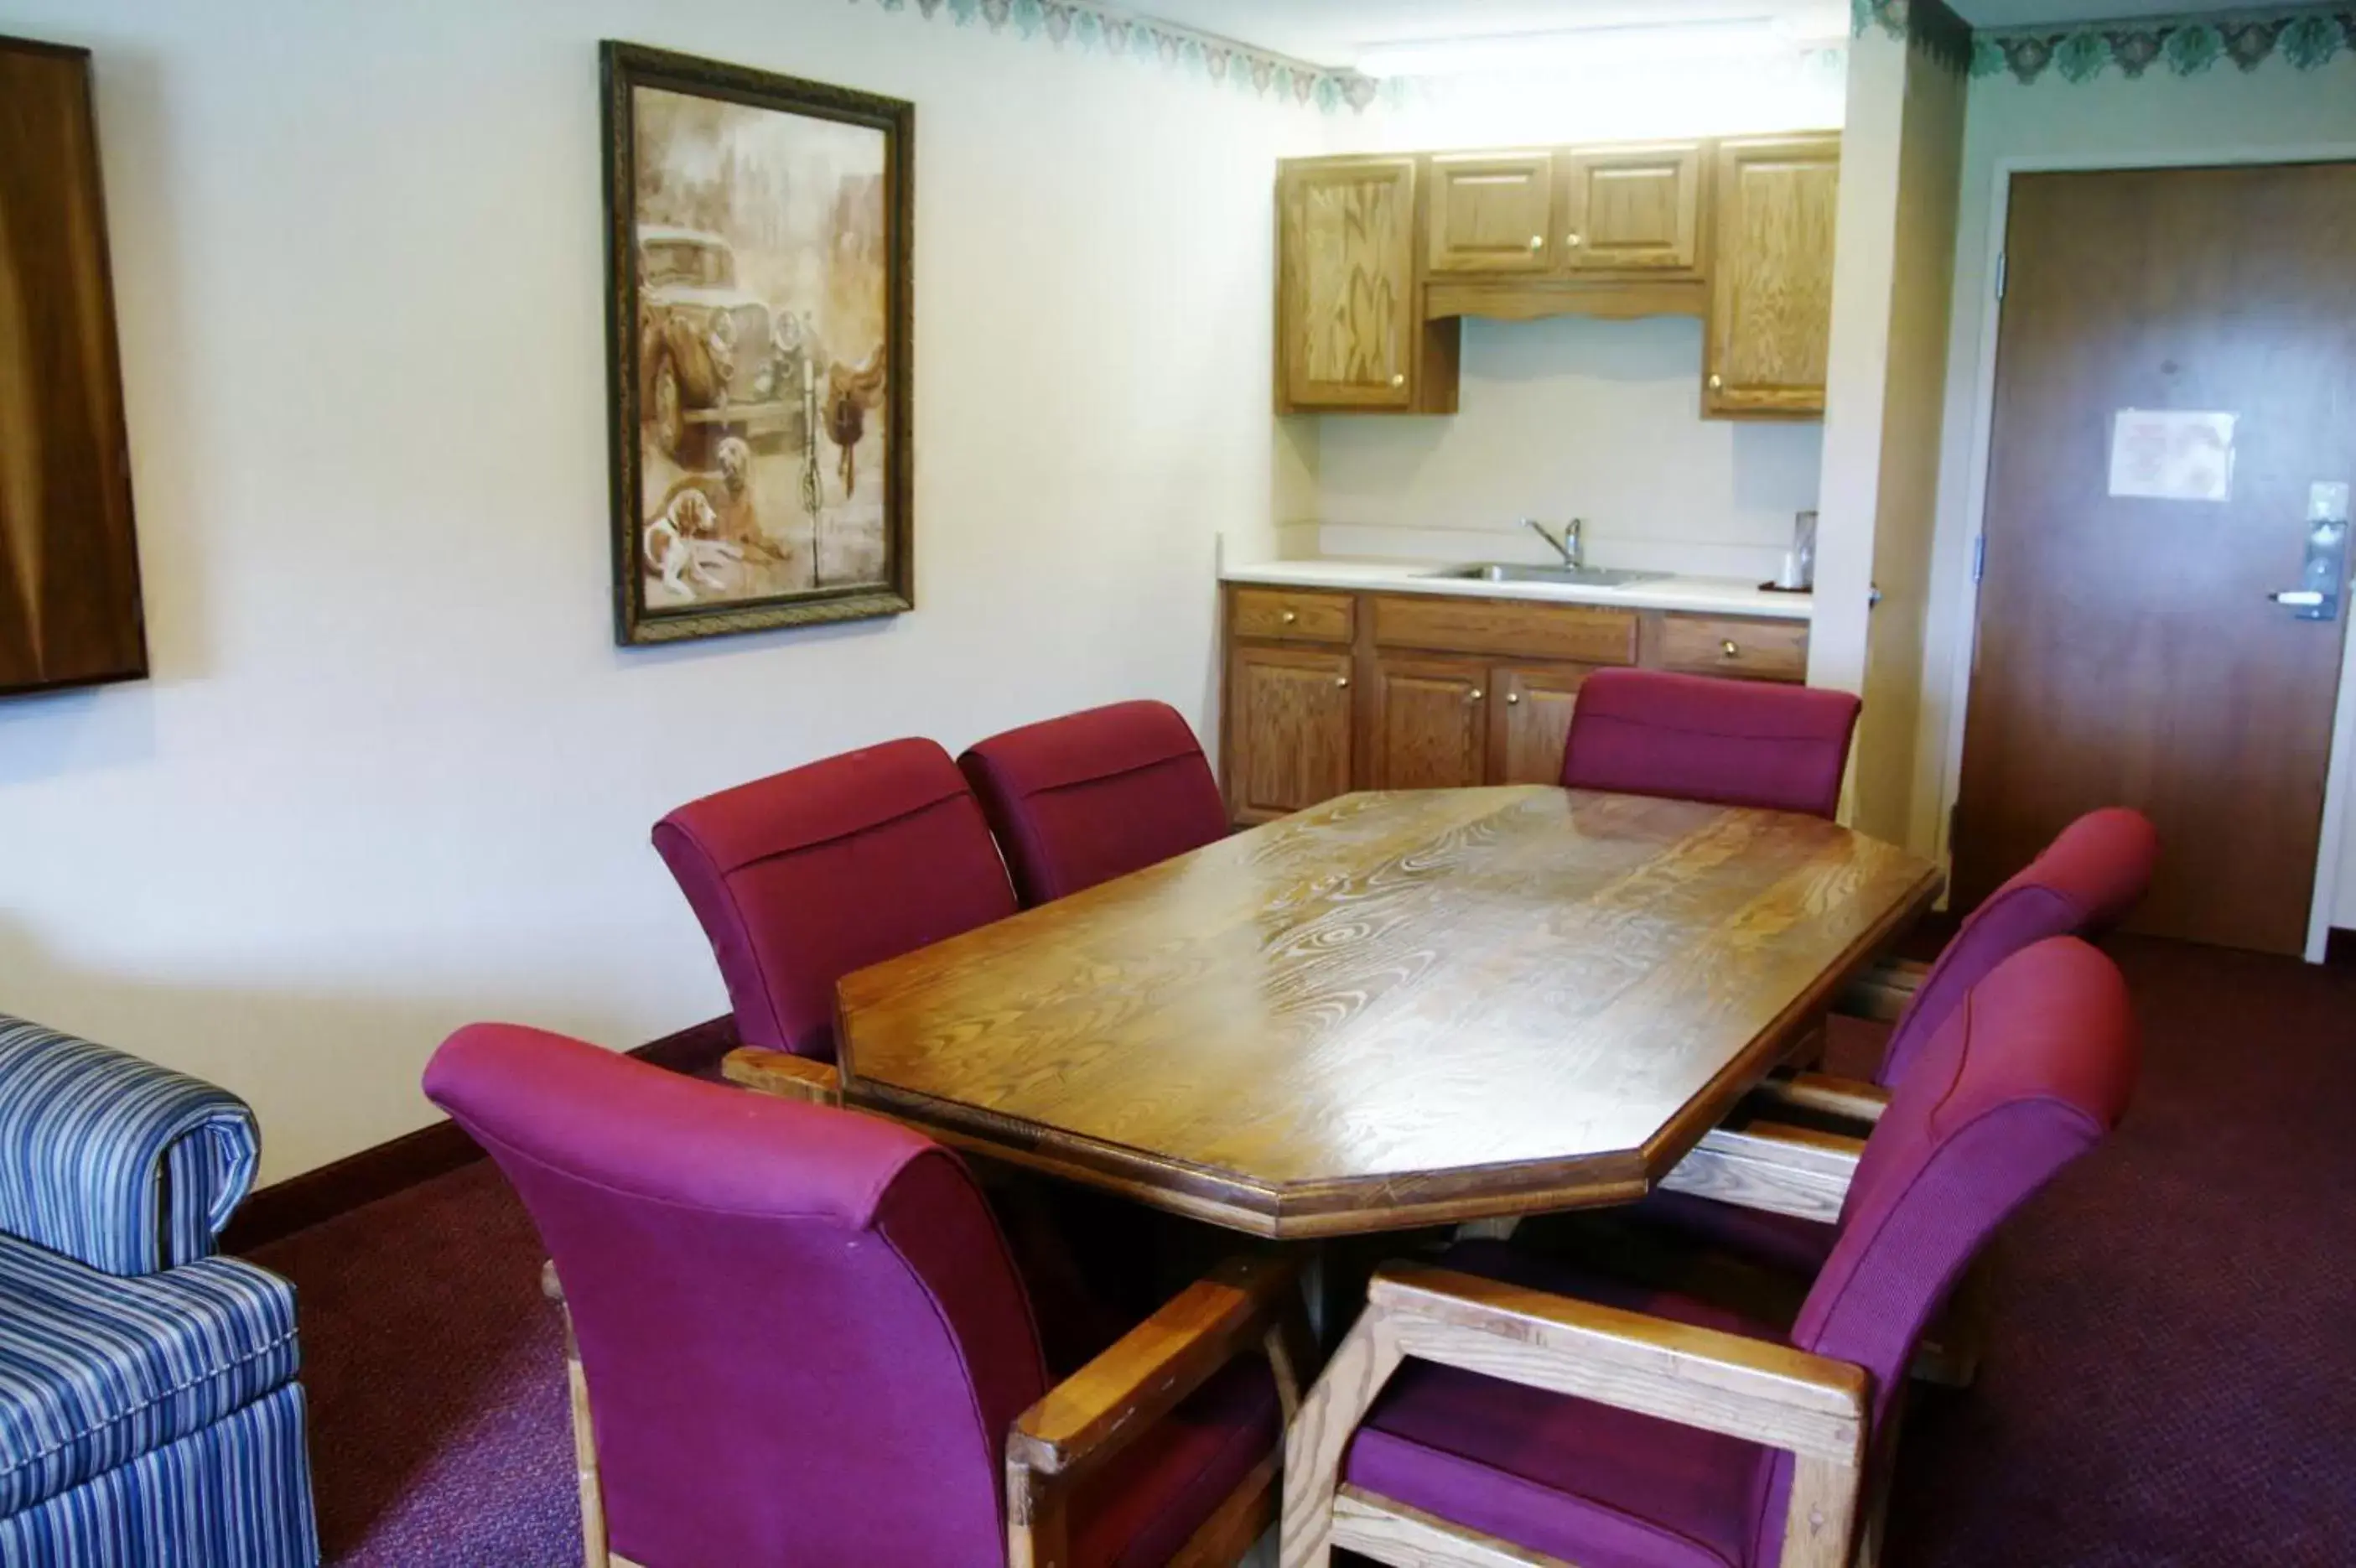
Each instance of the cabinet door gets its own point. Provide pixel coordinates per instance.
(1493, 213)
(1770, 290)
(1632, 209)
(1529, 721)
(1288, 729)
(1426, 724)
(1345, 283)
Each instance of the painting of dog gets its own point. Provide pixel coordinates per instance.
(757, 249)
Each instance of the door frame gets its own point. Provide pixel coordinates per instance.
(1973, 518)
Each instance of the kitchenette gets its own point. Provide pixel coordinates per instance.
(1554, 410)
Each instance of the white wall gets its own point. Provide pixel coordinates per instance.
(1575, 416)
(2272, 113)
(391, 774)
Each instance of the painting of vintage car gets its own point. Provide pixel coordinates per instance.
(757, 246)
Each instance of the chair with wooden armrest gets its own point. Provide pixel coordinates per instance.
(1509, 1408)
(796, 1334)
(2085, 882)
(803, 876)
(1094, 795)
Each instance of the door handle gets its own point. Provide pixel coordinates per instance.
(2297, 598)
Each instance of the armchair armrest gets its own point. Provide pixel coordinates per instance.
(783, 1074)
(127, 1166)
(1884, 991)
(1812, 1406)
(1844, 1098)
(1783, 1170)
(1246, 1302)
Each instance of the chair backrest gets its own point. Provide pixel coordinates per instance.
(803, 1336)
(2031, 1071)
(1095, 795)
(2080, 885)
(801, 877)
(1701, 737)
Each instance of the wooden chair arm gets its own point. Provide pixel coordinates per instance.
(1782, 1170)
(783, 1074)
(1883, 992)
(1155, 1365)
(1721, 1383)
(1814, 1407)
(1843, 1098)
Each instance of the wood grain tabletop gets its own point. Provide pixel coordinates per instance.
(1393, 1010)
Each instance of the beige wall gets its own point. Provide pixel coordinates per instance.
(391, 774)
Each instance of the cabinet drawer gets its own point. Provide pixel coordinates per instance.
(1299, 617)
(1712, 645)
(1516, 629)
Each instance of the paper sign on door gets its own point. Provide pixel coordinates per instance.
(2172, 455)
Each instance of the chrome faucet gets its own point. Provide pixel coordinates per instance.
(1568, 544)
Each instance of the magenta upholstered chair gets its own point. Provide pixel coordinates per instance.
(1095, 795)
(2087, 880)
(806, 875)
(804, 1341)
(1702, 737)
(1607, 1426)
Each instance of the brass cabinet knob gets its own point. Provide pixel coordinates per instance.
(1570, 240)
(1512, 697)
(1289, 617)
(1726, 650)
(1399, 380)
(1475, 695)
(1341, 680)
(1538, 242)
(1715, 382)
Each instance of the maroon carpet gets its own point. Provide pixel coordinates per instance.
(2171, 1377)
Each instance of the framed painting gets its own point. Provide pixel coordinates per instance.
(758, 348)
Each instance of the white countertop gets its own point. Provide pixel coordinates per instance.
(1714, 595)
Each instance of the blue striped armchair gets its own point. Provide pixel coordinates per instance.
(149, 1415)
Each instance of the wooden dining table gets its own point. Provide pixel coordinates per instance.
(1394, 1010)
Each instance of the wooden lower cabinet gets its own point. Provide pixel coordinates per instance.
(1330, 691)
(1427, 726)
(1288, 729)
(1529, 721)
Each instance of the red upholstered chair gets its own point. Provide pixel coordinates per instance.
(1505, 1395)
(800, 1339)
(806, 875)
(2082, 883)
(1095, 795)
(1701, 737)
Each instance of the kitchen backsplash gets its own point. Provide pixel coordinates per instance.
(1572, 416)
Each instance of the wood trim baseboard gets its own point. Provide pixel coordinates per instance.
(280, 1209)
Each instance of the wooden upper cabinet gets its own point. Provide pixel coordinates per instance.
(1491, 212)
(1426, 724)
(1773, 203)
(1632, 208)
(1346, 311)
(1288, 729)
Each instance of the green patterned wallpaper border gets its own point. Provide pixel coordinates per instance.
(1117, 35)
(1930, 23)
(2306, 38)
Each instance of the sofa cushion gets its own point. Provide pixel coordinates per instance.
(96, 1369)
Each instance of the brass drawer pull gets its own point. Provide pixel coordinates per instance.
(1341, 680)
(1475, 695)
(1291, 616)
(1512, 697)
(1727, 648)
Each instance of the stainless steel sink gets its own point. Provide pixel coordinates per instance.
(1573, 576)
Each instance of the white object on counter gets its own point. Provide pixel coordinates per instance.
(1715, 595)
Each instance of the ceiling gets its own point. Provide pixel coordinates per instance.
(1335, 32)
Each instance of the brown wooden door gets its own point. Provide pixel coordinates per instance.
(2128, 652)
(1492, 212)
(1288, 729)
(1427, 724)
(1770, 281)
(1632, 209)
(1345, 283)
(1529, 721)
